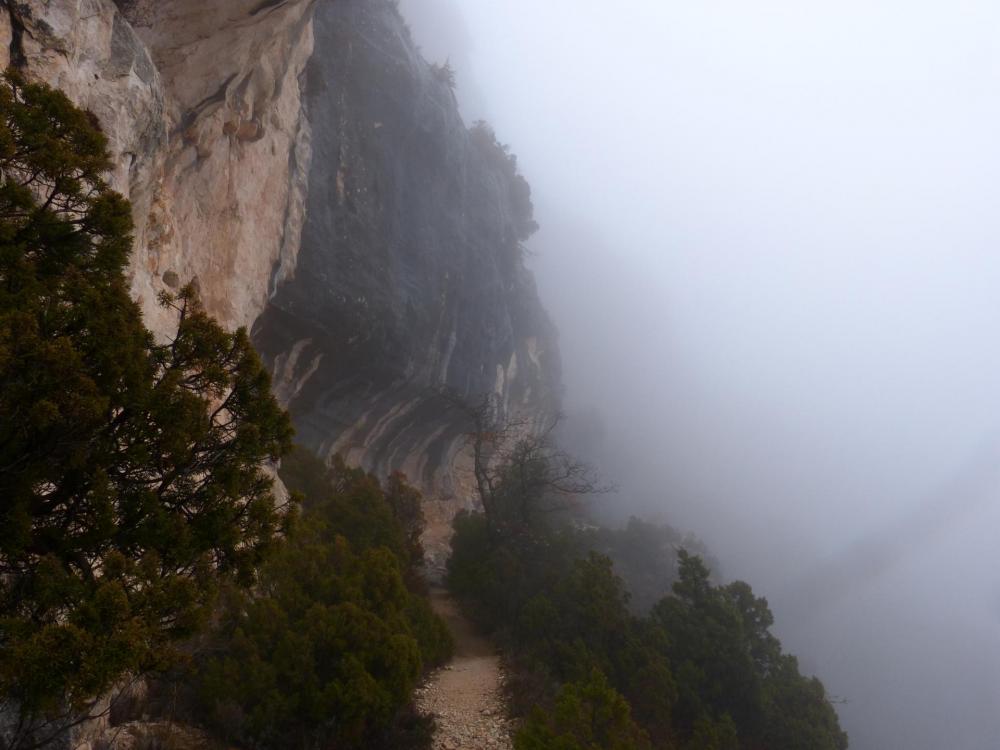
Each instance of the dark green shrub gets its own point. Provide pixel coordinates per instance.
(702, 670)
(328, 649)
(587, 715)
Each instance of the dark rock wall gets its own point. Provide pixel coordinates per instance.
(410, 276)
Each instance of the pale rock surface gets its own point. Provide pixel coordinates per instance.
(229, 205)
(86, 49)
(202, 105)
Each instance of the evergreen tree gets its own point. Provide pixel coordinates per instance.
(130, 471)
(701, 671)
(734, 679)
(588, 715)
(327, 650)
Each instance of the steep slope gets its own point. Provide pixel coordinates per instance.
(410, 275)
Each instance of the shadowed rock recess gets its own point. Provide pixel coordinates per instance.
(410, 276)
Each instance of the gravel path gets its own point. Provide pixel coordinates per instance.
(466, 696)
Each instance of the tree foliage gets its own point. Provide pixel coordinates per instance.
(521, 474)
(130, 471)
(734, 667)
(700, 670)
(327, 651)
(588, 715)
(562, 613)
(645, 556)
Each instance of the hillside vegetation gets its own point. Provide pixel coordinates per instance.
(698, 670)
(327, 649)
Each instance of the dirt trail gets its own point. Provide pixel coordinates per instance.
(466, 696)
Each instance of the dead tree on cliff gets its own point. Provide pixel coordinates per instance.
(521, 473)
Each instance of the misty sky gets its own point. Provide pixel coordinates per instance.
(772, 246)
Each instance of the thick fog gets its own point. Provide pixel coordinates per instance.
(771, 242)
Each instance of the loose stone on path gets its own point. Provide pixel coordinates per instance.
(466, 696)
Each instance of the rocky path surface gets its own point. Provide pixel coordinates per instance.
(466, 696)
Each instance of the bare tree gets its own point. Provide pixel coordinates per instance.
(520, 471)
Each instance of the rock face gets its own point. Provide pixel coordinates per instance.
(202, 105)
(228, 205)
(334, 200)
(410, 275)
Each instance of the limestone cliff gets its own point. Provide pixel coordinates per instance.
(410, 275)
(201, 102)
(306, 165)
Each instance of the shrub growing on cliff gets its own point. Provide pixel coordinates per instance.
(130, 472)
(328, 650)
(444, 73)
(484, 138)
